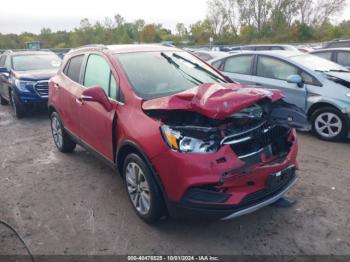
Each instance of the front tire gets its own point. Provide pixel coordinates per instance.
(329, 124)
(17, 106)
(144, 193)
(62, 140)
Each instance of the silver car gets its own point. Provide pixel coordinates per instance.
(318, 86)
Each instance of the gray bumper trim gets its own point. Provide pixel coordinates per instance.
(262, 204)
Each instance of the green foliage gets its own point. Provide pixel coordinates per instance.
(228, 22)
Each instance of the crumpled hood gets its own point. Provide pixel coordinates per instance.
(35, 75)
(216, 101)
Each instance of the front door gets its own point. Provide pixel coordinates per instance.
(96, 123)
(273, 73)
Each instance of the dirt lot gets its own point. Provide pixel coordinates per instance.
(74, 204)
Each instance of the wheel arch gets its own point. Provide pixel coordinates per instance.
(319, 105)
(128, 147)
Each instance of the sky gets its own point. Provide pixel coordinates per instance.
(31, 15)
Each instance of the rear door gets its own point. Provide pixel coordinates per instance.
(239, 68)
(96, 124)
(68, 89)
(273, 73)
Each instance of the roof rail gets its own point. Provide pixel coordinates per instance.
(100, 46)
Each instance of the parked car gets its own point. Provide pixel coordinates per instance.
(337, 43)
(340, 56)
(185, 141)
(264, 47)
(318, 86)
(209, 55)
(24, 78)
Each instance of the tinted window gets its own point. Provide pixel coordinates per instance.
(97, 73)
(344, 58)
(325, 55)
(239, 64)
(74, 68)
(158, 74)
(273, 68)
(35, 62)
(2, 60)
(276, 48)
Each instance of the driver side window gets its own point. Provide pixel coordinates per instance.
(98, 73)
(270, 67)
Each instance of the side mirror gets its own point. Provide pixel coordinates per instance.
(98, 95)
(296, 79)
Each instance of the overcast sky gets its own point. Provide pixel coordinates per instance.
(32, 15)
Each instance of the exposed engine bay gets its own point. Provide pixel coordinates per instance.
(261, 129)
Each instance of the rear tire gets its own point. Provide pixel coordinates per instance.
(3, 101)
(17, 106)
(329, 124)
(143, 191)
(62, 139)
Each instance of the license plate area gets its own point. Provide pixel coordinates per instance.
(280, 179)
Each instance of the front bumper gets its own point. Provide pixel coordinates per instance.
(252, 203)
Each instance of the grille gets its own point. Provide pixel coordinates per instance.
(42, 88)
(256, 140)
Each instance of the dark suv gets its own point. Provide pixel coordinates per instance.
(24, 78)
(184, 139)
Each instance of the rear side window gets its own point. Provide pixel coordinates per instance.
(274, 68)
(343, 58)
(325, 55)
(73, 69)
(239, 64)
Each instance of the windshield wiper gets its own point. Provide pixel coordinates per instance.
(197, 66)
(177, 66)
(339, 70)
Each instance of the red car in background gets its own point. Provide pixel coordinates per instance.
(186, 141)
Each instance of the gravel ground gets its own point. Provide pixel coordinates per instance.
(74, 204)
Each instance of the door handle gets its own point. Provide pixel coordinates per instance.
(79, 101)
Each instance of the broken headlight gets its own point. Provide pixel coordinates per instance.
(181, 142)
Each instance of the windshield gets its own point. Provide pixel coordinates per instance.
(317, 63)
(158, 74)
(35, 62)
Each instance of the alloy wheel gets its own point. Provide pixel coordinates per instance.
(138, 188)
(57, 131)
(328, 125)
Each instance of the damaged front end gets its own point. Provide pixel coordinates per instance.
(255, 133)
(225, 144)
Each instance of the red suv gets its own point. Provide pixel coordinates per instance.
(186, 141)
